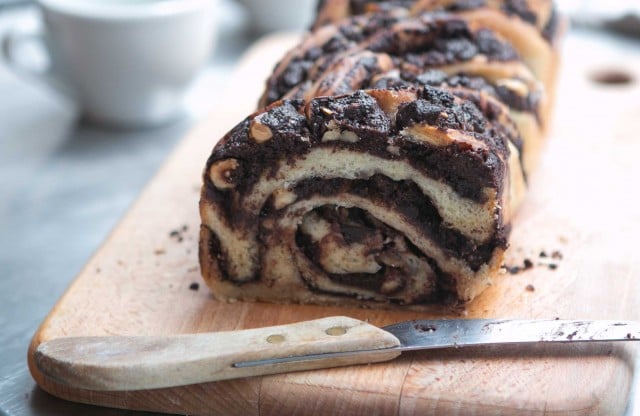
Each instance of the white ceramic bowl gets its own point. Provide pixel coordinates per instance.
(125, 63)
(277, 15)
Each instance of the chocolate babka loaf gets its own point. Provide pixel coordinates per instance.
(383, 169)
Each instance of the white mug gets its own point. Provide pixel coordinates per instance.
(126, 63)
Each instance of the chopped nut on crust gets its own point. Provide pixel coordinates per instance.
(260, 132)
(390, 100)
(220, 173)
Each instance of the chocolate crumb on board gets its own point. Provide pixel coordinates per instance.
(194, 286)
(159, 251)
(527, 264)
(530, 288)
(177, 234)
(512, 269)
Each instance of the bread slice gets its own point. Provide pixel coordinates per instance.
(379, 198)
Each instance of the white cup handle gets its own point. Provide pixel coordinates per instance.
(12, 41)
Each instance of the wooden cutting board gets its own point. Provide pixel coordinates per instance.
(580, 228)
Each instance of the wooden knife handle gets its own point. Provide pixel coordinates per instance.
(138, 363)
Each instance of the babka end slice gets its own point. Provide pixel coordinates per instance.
(379, 198)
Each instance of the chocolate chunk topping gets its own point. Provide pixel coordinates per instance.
(422, 111)
(358, 113)
(437, 96)
(436, 107)
(284, 120)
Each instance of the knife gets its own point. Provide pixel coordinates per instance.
(120, 363)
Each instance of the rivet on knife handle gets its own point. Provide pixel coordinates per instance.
(137, 363)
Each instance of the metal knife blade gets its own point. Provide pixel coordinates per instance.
(456, 333)
(425, 334)
(148, 362)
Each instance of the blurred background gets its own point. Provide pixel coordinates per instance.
(65, 183)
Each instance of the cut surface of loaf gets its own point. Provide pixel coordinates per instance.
(379, 197)
(388, 158)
